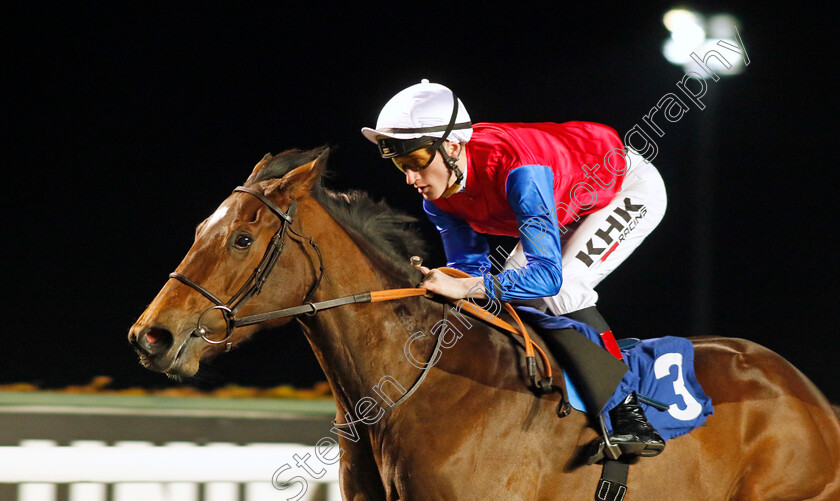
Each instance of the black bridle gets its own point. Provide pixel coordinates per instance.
(253, 286)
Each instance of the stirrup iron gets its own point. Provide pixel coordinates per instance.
(604, 448)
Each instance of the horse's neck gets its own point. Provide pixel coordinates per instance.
(364, 349)
(361, 350)
(361, 346)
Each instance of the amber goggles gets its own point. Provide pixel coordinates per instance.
(414, 154)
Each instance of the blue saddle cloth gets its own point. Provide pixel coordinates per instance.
(661, 368)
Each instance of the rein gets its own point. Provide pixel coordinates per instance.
(253, 286)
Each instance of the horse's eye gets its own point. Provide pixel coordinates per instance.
(243, 241)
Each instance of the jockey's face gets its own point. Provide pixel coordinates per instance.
(432, 181)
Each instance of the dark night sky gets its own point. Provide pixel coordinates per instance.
(126, 126)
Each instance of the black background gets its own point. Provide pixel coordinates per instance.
(126, 126)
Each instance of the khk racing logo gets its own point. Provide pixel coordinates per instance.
(624, 228)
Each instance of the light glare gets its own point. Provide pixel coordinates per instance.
(676, 19)
(688, 36)
(721, 25)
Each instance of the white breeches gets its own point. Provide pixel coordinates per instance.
(595, 245)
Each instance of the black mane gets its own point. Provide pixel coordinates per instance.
(378, 229)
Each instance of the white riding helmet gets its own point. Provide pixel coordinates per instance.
(422, 110)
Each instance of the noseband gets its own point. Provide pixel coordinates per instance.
(255, 282)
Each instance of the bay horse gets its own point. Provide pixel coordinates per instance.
(473, 430)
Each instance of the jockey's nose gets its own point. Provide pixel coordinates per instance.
(410, 176)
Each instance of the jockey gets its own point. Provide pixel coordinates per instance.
(579, 201)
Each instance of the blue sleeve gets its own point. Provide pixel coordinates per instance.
(530, 193)
(465, 249)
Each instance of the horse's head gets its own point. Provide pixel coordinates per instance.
(250, 240)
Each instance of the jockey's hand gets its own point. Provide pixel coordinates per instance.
(454, 288)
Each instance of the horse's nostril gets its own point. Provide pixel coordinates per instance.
(155, 340)
(153, 336)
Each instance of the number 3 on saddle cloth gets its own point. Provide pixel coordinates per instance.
(661, 369)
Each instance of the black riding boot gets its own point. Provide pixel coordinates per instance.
(632, 432)
(591, 316)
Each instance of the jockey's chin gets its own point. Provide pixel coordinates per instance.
(433, 181)
(430, 192)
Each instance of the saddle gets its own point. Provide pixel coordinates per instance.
(579, 347)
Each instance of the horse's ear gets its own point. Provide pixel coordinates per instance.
(300, 180)
(257, 168)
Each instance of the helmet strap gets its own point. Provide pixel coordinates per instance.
(459, 176)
